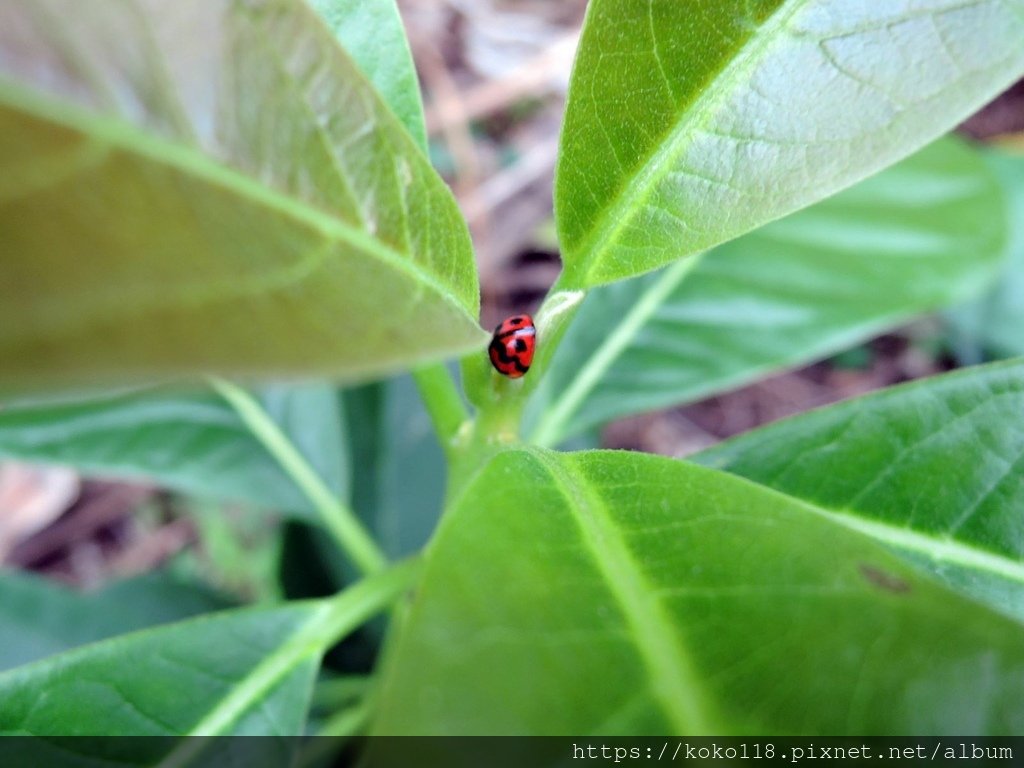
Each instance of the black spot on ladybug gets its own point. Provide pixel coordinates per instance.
(520, 345)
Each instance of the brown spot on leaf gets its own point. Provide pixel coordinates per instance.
(883, 579)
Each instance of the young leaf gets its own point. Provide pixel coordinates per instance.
(199, 186)
(691, 123)
(372, 33)
(239, 672)
(617, 593)
(920, 235)
(188, 442)
(39, 617)
(933, 469)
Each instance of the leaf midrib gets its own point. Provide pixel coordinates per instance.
(190, 162)
(632, 194)
(673, 680)
(937, 548)
(332, 618)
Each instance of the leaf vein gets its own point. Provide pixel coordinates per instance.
(672, 679)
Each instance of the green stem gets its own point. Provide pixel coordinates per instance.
(550, 428)
(354, 605)
(341, 521)
(553, 319)
(442, 400)
(332, 620)
(350, 721)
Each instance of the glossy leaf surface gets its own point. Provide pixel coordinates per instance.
(921, 235)
(934, 469)
(691, 123)
(127, 681)
(213, 186)
(617, 593)
(247, 672)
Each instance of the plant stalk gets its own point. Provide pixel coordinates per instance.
(442, 400)
(336, 516)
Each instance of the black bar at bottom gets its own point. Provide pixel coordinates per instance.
(502, 751)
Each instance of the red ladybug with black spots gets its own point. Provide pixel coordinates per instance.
(512, 346)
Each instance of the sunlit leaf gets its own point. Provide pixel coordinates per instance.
(617, 593)
(933, 469)
(691, 123)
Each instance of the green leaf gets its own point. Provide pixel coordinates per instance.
(691, 123)
(213, 185)
(617, 593)
(187, 442)
(933, 469)
(995, 322)
(39, 617)
(372, 33)
(920, 235)
(398, 466)
(311, 417)
(245, 672)
(240, 672)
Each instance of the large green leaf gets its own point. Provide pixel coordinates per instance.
(213, 185)
(920, 235)
(39, 618)
(617, 593)
(246, 672)
(187, 442)
(995, 322)
(372, 33)
(691, 123)
(934, 469)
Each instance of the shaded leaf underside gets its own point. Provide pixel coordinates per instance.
(212, 205)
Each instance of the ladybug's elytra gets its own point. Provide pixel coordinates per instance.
(512, 346)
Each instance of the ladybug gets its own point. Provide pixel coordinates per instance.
(512, 346)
